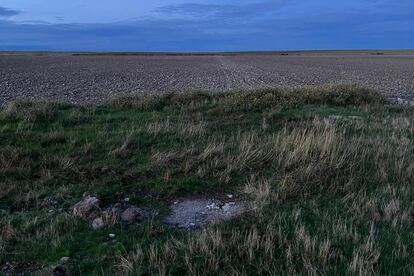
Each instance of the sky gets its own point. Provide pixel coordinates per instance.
(195, 25)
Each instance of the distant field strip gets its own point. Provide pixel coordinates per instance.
(83, 79)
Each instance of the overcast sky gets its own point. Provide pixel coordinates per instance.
(195, 25)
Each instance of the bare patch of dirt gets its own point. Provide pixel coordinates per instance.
(199, 212)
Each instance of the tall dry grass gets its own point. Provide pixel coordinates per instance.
(33, 111)
(313, 157)
(253, 100)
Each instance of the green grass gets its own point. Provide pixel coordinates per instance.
(328, 169)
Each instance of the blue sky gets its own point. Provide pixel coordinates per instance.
(194, 25)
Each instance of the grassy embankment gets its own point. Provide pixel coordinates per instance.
(329, 169)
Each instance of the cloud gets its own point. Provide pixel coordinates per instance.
(228, 27)
(5, 12)
(189, 9)
(222, 11)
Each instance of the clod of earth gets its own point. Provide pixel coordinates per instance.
(133, 214)
(86, 208)
(89, 210)
(198, 213)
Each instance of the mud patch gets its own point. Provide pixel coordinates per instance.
(198, 213)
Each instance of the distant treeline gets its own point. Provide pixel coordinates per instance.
(282, 53)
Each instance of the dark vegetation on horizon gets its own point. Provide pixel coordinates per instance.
(218, 53)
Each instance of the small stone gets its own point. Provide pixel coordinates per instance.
(227, 207)
(126, 199)
(98, 223)
(212, 206)
(192, 224)
(112, 236)
(134, 213)
(85, 207)
(64, 260)
(230, 196)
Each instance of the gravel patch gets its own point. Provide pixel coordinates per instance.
(198, 213)
(92, 79)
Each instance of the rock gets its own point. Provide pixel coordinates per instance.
(86, 207)
(401, 101)
(213, 206)
(112, 236)
(230, 196)
(134, 213)
(64, 260)
(228, 207)
(98, 223)
(60, 271)
(7, 268)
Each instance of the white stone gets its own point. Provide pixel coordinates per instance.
(64, 260)
(98, 223)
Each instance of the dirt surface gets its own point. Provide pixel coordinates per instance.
(200, 212)
(92, 79)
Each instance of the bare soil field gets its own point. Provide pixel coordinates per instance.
(84, 79)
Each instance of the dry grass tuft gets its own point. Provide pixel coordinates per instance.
(13, 162)
(255, 100)
(32, 111)
(260, 190)
(185, 128)
(125, 148)
(54, 137)
(158, 101)
(165, 159)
